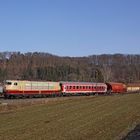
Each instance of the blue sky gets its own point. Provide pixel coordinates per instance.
(70, 27)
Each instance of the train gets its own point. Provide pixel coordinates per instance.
(29, 89)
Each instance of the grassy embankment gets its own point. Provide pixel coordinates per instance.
(95, 118)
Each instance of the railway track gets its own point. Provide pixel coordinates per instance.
(48, 99)
(31, 100)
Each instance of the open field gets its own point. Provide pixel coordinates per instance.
(93, 118)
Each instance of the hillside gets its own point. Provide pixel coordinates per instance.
(45, 66)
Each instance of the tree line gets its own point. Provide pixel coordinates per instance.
(47, 67)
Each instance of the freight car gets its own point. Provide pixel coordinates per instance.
(17, 88)
(116, 87)
(133, 87)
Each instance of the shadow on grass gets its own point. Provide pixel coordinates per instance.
(133, 134)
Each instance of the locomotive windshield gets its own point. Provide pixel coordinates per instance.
(8, 83)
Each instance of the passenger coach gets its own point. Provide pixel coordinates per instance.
(82, 88)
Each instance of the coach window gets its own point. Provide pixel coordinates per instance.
(77, 87)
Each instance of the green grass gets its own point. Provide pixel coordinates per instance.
(93, 118)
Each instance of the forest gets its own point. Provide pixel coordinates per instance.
(40, 66)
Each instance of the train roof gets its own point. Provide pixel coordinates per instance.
(133, 85)
(114, 83)
(66, 82)
(26, 81)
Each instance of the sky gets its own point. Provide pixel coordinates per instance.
(70, 27)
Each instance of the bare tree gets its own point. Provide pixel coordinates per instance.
(107, 73)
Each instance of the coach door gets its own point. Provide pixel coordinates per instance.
(65, 87)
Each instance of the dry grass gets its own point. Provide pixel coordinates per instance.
(100, 118)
